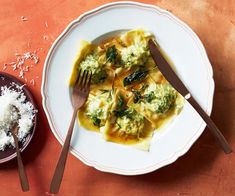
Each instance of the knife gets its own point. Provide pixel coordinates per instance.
(175, 81)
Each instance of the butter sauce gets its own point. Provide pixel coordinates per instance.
(116, 75)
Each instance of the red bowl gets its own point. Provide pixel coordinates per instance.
(10, 153)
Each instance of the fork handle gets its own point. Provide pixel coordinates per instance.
(212, 127)
(59, 170)
(22, 175)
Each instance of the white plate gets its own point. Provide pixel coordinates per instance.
(192, 65)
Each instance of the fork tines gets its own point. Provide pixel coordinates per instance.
(84, 79)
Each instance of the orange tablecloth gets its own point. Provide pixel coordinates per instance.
(204, 170)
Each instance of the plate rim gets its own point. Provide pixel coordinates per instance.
(178, 153)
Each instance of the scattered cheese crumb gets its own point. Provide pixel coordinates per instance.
(45, 37)
(21, 75)
(4, 66)
(49, 194)
(32, 82)
(23, 18)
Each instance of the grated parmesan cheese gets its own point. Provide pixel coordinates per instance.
(23, 63)
(11, 99)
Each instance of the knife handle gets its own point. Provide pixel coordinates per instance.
(211, 125)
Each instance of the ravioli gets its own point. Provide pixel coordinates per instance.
(157, 102)
(129, 98)
(124, 121)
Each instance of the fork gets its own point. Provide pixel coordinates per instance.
(79, 96)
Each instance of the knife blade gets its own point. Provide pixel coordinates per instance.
(175, 81)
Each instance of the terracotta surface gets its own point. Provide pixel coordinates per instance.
(204, 170)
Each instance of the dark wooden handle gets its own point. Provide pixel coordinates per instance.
(59, 170)
(23, 178)
(212, 127)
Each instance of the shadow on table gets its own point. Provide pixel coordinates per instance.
(200, 158)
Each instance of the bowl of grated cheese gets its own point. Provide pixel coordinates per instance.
(16, 105)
